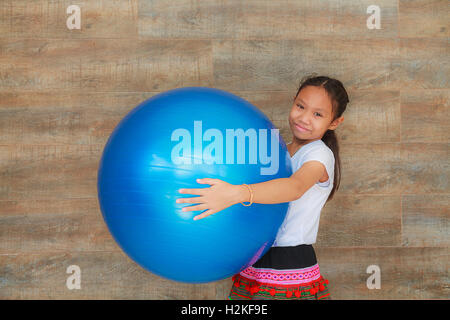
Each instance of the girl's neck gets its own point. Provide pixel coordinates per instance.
(296, 144)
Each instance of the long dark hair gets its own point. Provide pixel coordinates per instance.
(339, 100)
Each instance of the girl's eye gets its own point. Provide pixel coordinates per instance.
(299, 105)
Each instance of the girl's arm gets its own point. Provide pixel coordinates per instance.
(222, 195)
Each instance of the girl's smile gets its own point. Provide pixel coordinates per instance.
(301, 128)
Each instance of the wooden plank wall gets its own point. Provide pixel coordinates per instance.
(63, 91)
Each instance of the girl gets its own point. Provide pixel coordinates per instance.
(289, 269)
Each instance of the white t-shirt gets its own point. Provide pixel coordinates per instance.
(301, 223)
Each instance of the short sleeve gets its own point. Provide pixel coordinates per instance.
(323, 155)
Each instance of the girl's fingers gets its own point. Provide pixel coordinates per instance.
(190, 200)
(194, 208)
(204, 214)
(197, 191)
(207, 181)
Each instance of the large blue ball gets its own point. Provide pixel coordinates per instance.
(141, 171)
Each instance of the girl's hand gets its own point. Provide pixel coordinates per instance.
(218, 197)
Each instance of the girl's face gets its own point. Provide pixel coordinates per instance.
(311, 115)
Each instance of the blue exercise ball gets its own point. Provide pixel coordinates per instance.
(166, 143)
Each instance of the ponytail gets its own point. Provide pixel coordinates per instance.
(330, 139)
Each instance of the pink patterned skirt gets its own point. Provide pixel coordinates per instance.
(283, 273)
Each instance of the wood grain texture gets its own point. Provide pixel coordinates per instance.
(395, 168)
(360, 64)
(377, 63)
(47, 19)
(425, 116)
(425, 168)
(371, 168)
(361, 221)
(425, 63)
(424, 18)
(49, 118)
(53, 225)
(372, 116)
(104, 275)
(55, 172)
(425, 220)
(103, 65)
(287, 19)
(406, 273)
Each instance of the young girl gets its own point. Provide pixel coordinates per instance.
(289, 269)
